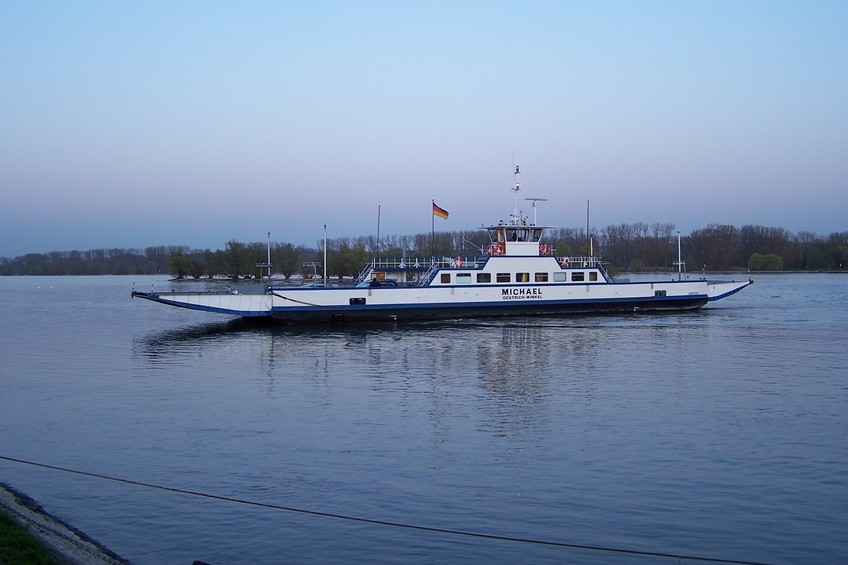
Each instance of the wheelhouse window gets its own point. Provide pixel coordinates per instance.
(579, 276)
(503, 277)
(519, 234)
(484, 277)
(445, 278)
(541, 277)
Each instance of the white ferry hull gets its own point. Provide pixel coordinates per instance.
(316, 305)
(519, 275)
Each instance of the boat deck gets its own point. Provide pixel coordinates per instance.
(460, 262)
(420, 271)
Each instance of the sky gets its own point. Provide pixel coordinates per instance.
(137, 124)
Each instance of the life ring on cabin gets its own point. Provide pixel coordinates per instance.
(499, 248)
(545, 249)
(563, 262)
(457, 262)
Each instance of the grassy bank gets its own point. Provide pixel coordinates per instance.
(18, 547)
(31, 535)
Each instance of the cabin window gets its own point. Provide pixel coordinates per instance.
(579, 276)
(503, 277)
(522, 277)
(484, 277)
(593, 276)
(560, 276)
(463, 278)
(445, 278)
(541, 277)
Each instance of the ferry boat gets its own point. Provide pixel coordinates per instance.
(517, 274)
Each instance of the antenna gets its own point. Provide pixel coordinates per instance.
(535, 202)
(516, 218)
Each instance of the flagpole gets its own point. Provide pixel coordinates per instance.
(378, 230)
(325, 254)
(433, 230)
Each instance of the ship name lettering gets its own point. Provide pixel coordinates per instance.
(521, 293)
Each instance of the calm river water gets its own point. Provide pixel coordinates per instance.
(721, 433)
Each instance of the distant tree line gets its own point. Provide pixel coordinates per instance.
(626, 247)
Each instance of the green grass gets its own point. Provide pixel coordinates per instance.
(18, 547)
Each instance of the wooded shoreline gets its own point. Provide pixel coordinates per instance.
(626, 247)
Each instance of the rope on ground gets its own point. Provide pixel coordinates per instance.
(433, 529)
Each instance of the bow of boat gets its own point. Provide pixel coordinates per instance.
(716, 290)
(233, 304)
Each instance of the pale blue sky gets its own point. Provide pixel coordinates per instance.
(131, 124)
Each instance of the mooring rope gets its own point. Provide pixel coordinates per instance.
(375, 521)
(297, 301)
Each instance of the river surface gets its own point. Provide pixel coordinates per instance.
(721, 433)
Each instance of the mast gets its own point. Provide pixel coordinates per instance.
(516, 219)
(679, 261)
(325, 254)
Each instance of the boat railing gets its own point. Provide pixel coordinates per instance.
(568, 261)
(424, 266)
(425, 263)
(428, 275)
(398, 263)
(363, 275)
(458, 262)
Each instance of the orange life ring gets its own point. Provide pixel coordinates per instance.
(563, 262)
(500, 248)
(545, 249)
(457, 262)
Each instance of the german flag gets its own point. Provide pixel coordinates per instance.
(440, 212)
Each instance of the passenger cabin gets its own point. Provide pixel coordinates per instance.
(516, 255)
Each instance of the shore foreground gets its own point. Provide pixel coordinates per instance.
(68, 545)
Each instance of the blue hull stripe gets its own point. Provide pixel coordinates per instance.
(505, 305)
